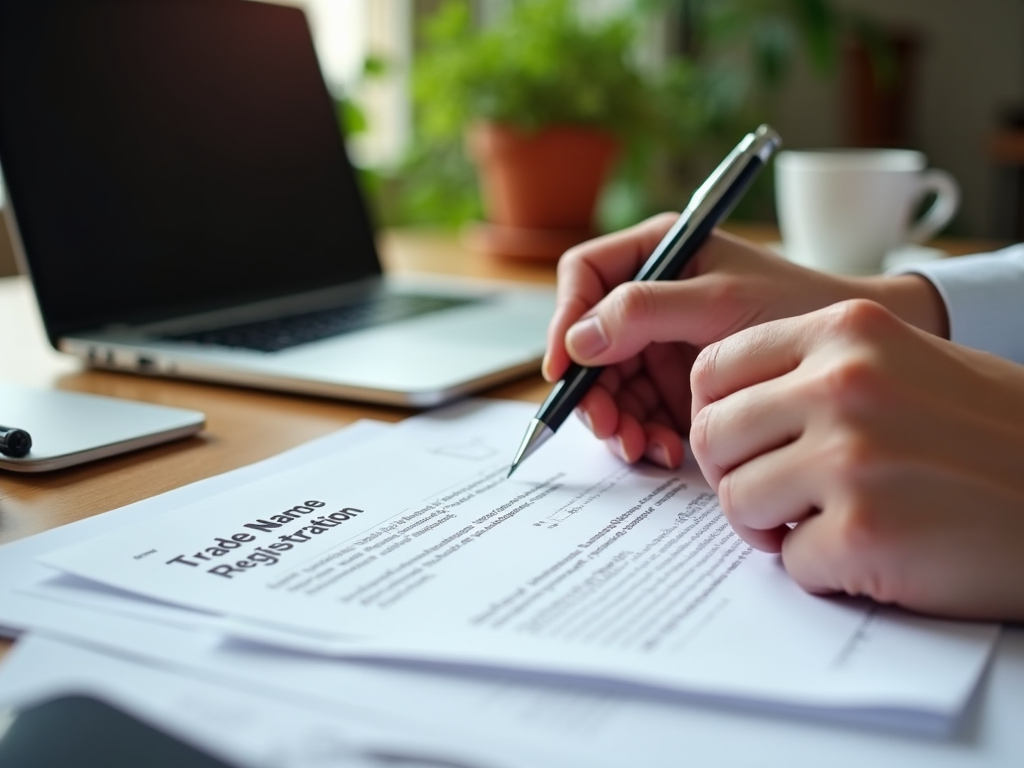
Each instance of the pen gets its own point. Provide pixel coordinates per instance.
(14, 442)
(710, 204)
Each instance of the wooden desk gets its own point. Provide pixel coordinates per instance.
(243, 425)
(7, 265)
(954, 246)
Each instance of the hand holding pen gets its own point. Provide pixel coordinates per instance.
(710, 204)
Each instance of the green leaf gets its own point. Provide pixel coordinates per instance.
(541, 65)
(819, 24)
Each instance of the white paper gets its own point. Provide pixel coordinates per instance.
(237, 726)
(600, 727)
(416, 547)
(20, 568)
(603, 728)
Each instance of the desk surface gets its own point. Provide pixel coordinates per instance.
(243, 425)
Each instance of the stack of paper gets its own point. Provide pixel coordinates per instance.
(581, 612)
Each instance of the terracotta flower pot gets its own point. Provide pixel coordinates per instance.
(540, 189)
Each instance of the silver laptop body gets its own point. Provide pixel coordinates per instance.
(184, 204)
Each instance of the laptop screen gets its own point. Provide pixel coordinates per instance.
(171, 156)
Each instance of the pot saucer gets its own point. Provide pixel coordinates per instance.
(521, 242)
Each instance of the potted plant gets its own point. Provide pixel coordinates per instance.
(541, 70)
(546, 102)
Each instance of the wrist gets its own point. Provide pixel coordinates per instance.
(910, 297)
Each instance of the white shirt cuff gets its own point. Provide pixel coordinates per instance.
(984, 297)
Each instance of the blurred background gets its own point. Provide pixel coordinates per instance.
(675, 83)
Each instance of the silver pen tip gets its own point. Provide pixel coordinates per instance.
(536, 435)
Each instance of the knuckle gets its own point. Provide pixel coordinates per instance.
(578, 259)
(633, 303)
(699, 436)
(855, 380)
(573, 308)
(726, 292)
(861, 318)
(702, 447)
(703, 370)
(569, 263)
(861, 538)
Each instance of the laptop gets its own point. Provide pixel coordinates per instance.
(182, 199)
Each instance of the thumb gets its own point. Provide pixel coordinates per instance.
(636, 314)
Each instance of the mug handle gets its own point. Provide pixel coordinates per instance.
(947, 200)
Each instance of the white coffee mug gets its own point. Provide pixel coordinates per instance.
(842, 211)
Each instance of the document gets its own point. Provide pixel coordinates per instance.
(20, 569)
(417, 547)
(240, 728)
(501, 723)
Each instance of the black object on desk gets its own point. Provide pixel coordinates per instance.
(708, 207)
(15, 442)
(81, 730)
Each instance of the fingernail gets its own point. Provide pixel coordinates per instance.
(658, 454)
(665, 458)
(585, 418)
(617, 447)
(622, 448)
(587, 339)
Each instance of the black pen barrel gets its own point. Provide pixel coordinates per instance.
(566, 394)
(708, 207)
(668, 262)
(665, 264)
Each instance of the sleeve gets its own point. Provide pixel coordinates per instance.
(984, 298)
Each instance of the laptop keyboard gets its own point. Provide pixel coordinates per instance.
(290, 331)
